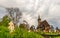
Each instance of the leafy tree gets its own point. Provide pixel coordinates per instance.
(5, 21)
(52, 28)
(57, 28)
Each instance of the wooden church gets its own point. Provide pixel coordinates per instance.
(43, 25)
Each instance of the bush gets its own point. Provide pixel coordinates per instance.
(5, 21)
(4, 32)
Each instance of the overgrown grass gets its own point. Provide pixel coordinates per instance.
(22, 33)
(18, 33)
(4, 32)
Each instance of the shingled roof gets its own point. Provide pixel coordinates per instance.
(45, 23)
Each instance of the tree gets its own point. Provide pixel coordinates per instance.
(32, 28)
(57, 28)
(15, 14)
(52, 28)
(5, 21)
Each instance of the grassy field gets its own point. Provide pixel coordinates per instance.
(20, 33)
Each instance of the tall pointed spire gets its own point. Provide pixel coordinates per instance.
(39, 17)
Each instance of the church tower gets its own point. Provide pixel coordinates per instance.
(39, 20)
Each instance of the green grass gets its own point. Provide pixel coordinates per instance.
(18, 33)
(22, 33)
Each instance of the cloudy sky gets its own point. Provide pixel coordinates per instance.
(48, 10)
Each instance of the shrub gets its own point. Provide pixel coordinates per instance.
(4, 32)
